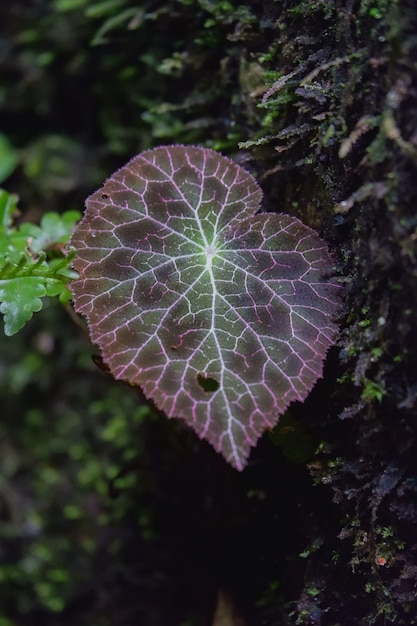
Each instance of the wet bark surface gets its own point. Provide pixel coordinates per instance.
(137, 520)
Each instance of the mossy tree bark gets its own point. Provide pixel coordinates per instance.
(342, 115)
(321, 527)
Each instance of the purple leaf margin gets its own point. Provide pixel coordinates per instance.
(223, 315)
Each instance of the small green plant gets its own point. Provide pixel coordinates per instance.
(32, 262)
(372, 391)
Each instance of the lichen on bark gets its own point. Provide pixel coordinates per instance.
(340, 116)
(321, 96)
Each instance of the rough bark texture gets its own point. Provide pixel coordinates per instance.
(321, 527)
(346, 141)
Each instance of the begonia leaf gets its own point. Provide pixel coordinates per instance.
(223, 315)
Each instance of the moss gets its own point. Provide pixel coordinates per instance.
(106, 511)
(334, 136)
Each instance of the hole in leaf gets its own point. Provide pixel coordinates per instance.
(207, 383)
(101, 364)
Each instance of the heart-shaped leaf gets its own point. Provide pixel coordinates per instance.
(223, 316)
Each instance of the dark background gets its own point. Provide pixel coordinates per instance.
(114, 516)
